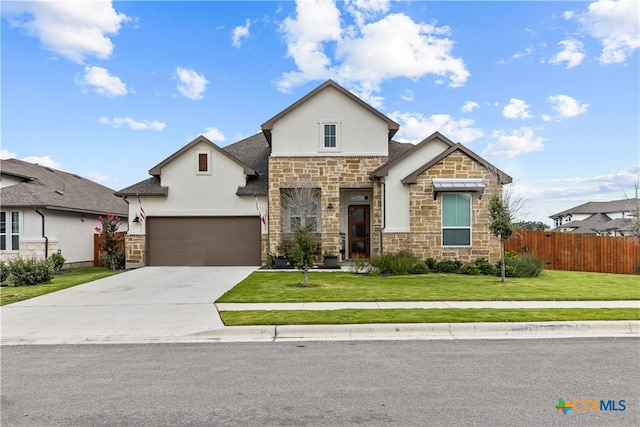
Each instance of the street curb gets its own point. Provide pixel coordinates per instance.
(422, 331)
(368, 332)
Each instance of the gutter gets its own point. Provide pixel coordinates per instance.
(46, 239)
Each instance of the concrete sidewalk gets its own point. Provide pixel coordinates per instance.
(426, 305)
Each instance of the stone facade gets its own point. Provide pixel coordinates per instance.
(135, 250)
(330, 174)
(426, 213)
(30, 249)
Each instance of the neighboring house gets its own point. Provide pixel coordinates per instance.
(45, 210)
(373, 195)
(600, 218)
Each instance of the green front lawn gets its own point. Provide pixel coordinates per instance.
(268, 286)
(69, 278)
(444, 315)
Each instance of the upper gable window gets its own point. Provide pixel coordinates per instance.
(330, 135)
(203, 162)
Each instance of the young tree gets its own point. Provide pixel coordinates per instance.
(300, 205)
(500, 226)
(112, 256)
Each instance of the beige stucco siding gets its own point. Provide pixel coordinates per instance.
(398, 195)
(360, 132)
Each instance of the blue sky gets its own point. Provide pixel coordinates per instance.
(547, 91)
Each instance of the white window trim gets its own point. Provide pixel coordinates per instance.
(338, 146)
(9, 230)
(197, 162)
(470, 228)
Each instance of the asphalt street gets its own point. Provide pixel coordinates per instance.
(372, 383)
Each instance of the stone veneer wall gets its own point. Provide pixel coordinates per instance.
(29, 249)
(330, 175)
(135, 250)
(425, 238)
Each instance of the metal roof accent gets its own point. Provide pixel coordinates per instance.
(460, 185)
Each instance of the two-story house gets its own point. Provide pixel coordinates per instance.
(206, 205)
(611, 218)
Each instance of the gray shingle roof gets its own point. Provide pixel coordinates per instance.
(588, 225)
(624, 205)
(148, 187)
(58, 190)
(254, 152)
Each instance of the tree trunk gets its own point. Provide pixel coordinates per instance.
(502, 271)
(304, 281)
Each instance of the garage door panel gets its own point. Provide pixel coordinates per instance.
(195, 241)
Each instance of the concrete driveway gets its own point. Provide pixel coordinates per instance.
(148, 303)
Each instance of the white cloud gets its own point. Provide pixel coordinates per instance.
(469, 106)
(6, 154)
(519, 141)
(46, 161)
(566, 106)
(408, 95)
(414, 127)
(191, 84)
(528, 51)
(73, 29)
(214, 135)
(615, 24)
(572, 53)
(239, 33)
(117, 122)
(410, 49)
(516, 109)
(549, 196)
(97, 176)
(102, 82)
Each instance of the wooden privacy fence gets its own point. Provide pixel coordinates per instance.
(97, 247)
(578, 252)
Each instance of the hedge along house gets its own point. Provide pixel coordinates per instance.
(371, 194)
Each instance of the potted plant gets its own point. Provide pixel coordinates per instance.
(330, 259)
(281, 260)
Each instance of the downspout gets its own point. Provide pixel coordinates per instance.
(384, 215)
(46, 239)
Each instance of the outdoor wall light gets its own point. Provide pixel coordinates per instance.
(136, 219)
(330, 206)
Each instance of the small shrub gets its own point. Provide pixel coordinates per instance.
(517, 266)
(358, 266)
(384, 263)
(29, 271)
(4, 271)
(403, 261)
(419, 268)
(529, 266)
(57, 261)
(485, 267)
(470, 269)
(431, 264)
(448, 266)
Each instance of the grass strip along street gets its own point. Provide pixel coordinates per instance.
(66, 279)
(270, 287)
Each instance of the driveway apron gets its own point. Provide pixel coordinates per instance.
(147, 303)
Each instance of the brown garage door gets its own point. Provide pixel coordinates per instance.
(195, 241)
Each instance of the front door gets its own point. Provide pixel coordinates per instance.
(358, 231)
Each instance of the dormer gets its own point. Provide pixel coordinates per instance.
(329, 121)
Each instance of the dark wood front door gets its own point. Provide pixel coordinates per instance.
(359, 231)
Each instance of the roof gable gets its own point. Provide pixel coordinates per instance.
(384, 169)
(157, 169)
(412, 178)
(268, 125)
